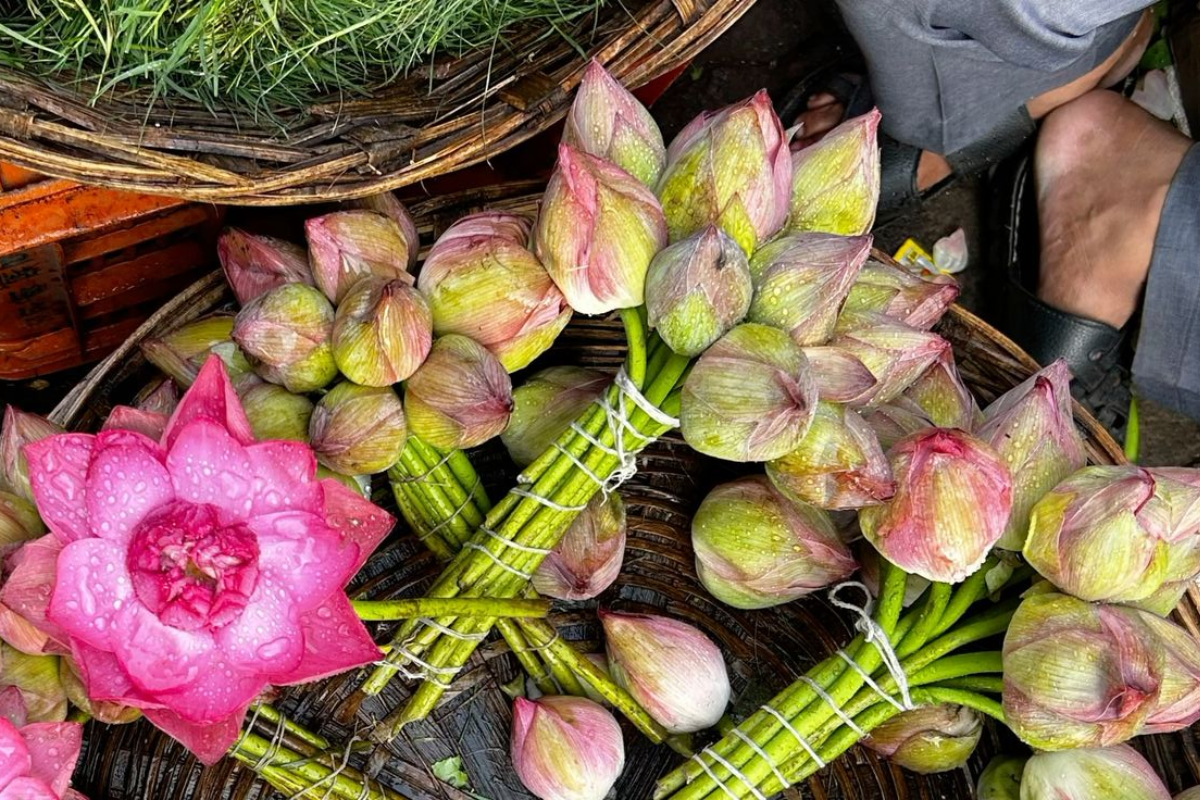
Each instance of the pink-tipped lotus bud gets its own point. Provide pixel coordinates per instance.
(898, 294)
(801, 280)
(750, 397)
(1104, 534)
(483, 282)
(891, 422)
(839, 464)
(460, 397)
(953, 499)
(698, 289)
(358, 430)
(1178, 703)
(756, 548)
(276, 413)
(1032, 427)
(1001, 779)
(38, 680)
(729, 168)
(672, 669)
(287, 332)
(836, 180)
(588, 558)
(546, 405)
(871, 564)
(159, 399)
(596, 233)
(346, 246)
(929, 739)
(895, 354)
(386, 203)
(566, 748)
(182, 352)
(607, 121)
(940, 396)
(19, 522)
(841, 378)
(1091, 773)
(382, 332)
(19, 429)
(1078, 674)
(256, 264)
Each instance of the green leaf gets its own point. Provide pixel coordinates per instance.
(451, 771)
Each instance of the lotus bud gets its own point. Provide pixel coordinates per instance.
(1091, 773)
(1032, 427)
(385, 203)
(1190, 794)
(750, 397)
(836, 181)
(150, 424)
(182, 352)
(19, 429)
(940, 395)
(546, 405)
(19, 522)
(1001, 779)
(161, 398)
(755, 548)
(346, 246)
(953, 499)
(1178, 703)
(730, 168)
(566, 748)
(588, 558)
(840, 376)
(839, 464)
(597, 231)
(929, 739)
(358, 430)
(871, 566)
(482, 282)
(893, 421)
(801, 280)
(895, 354)
(360, 484)
(698, 289)
(256, 264)
(607, 121)
(37, 679)
(460, 397)
(902, 296)
(102, 711)
(672, 669)
(287, 332)
(1078, 674)
(1103, 534)
(276, 413)
(382, 331)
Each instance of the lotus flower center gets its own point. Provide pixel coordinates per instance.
(191, 567)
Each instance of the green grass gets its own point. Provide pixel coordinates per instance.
(255, 56)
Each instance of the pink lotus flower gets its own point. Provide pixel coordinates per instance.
(566, 748)
(199, 569)
(36, 759)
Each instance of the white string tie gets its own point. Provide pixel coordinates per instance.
(540, 551)
(808, 748)
(829, 701)
(499, 562)
(735, 772)
(878, 638)
(331, 778)
(458, 511)
(547, 502)
(765, 757)
(275, 746)
(440, 628)
(425, 665)
(713, 775)
(655, 413)
(592, 440)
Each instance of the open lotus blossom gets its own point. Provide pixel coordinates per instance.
(199, 569)
(836, 183)
(1090, 773)
(36, 758)
(256, 264)
(606, 120)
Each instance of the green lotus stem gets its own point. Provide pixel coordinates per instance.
(291, 771)
(272, 714)
(932, 610)
(971, 591)
(389, 610)
(530, 662)
(984, 684)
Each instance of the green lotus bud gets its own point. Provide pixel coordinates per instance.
(358, 430)
(1178, 702)
(882, 290)
(385, 203)
(460, 397)
(546, 405)
(19, 522)
(698, 289)
(756, 548)
(750, 397)
(801, 281)
(1190, 794)
(929, 739)
(841, 378)
(893, 421)
(287, 331)
(159, 397)
(607, 121)
(1001, 779)
(895, 354)
(182, 352)
(346, 246)
(588, 558)
(256, 264)
(836, 181)
(37, 679)
(276, 413)
(1078, 674)
(358, 483)
(382, 332)
(482, 281)
(1091, 774)
(19, 429)
(839, 464)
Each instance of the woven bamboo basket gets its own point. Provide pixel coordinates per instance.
(432, 122)
(766, 649)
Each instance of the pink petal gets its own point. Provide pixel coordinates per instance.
(208, 465)
(54, 748)
(219, 691)
(14, 756)
(335, 640)
(356, 518)
(27, 592)
(157, 657)
(287, 471)
(148, 423)
(12, 706)
(266, 637)
(211, 397)
(209, 742)
(92, 592)
(305, 558)
(106, 679)
(126, 481)
(58, 473)
(27, 789)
